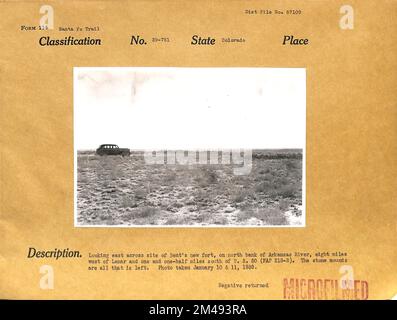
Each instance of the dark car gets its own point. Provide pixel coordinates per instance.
(112, 149)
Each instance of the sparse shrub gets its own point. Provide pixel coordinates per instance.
(124, 184)
(144, 215)
(140, 194)
(280, 186)
(270, 216)
(178, 205)
(286, 191)
(239, 197)
(280, 181)
(203, 217)
(212, 176)
(82, 180)
(172, 221)
(284, 204)
(181, 195)
(274, 217)
(128, 202)
(146, 212)
(170, 177)
(264, 171)
(221, 221)
(244, 214)
(264, 186)
(181, 220)
(110, 222)
(115, 173)
(206, 176)
(291, 164)
(267, 178)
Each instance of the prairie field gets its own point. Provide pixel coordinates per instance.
(126, 191)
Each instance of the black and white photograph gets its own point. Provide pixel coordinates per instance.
(189, 147)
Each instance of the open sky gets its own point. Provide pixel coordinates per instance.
(190, 108)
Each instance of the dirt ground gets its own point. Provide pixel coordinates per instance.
(125, 191)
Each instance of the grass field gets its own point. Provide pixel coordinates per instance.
(115, 190)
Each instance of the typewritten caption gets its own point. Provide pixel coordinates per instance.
(205, 261)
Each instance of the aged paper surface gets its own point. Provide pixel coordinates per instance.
(299, 96)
